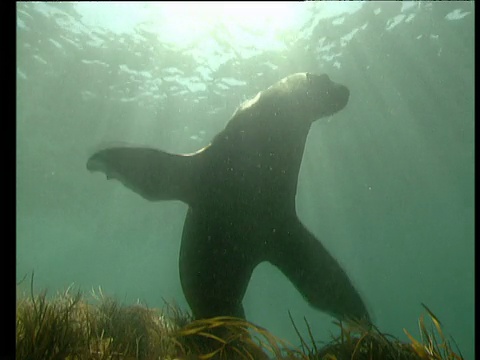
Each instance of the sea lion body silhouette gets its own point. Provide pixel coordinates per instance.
(241, 190)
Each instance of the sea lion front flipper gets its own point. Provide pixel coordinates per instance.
(153, 174)
(315, 273)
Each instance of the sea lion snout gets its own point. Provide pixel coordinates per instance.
(340, 97)
(328, 96)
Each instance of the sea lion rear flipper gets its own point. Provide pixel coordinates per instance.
(315, 273)
(153, 174)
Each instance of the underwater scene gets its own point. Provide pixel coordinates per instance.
(245, 180)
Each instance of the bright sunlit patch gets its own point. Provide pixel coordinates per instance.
(211, 27)
(256, 23)
(255, 15)
(184, 24)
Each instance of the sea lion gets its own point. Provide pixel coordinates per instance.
(241, 190)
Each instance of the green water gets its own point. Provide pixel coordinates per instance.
(387, 184)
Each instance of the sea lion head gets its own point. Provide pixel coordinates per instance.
(313, 96)
(325, 96)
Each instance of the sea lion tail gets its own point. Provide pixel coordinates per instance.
(153, 174)
(315, 273)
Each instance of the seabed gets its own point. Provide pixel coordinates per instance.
(70, 327)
